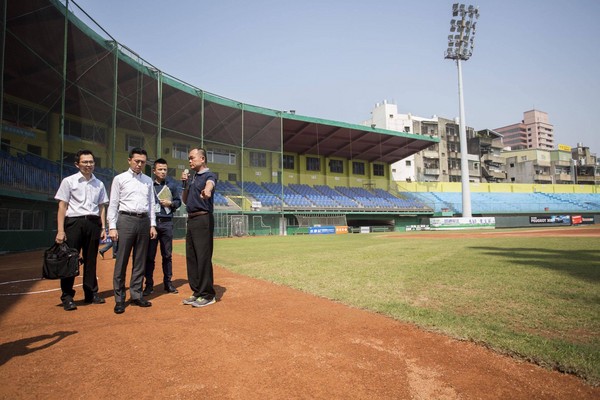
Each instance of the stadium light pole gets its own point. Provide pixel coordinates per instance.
(460, 48)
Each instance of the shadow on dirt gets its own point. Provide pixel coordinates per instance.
(22, 347)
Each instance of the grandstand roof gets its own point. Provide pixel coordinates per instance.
(34, 67)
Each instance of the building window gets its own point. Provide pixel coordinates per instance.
(336, 166)
(92, 133)
(132, 142)
(258, 159)
(21, 220)
(24, 116)
(313, 164)
(288, 162)
(221, 156)
(180, 151)
(358, 168)
(37, 150)
(378, 170)
(408, 163)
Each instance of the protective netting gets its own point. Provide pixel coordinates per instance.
(308, 220)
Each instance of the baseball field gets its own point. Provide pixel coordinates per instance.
(425, 315)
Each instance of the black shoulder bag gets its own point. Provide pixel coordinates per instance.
(60, 261)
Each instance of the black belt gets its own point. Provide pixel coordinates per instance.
(195, 214)
(164, 219)
(134, 214)
(90, 217)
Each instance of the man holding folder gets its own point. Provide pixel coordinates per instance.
(167, 194)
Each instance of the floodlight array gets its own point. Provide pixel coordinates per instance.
(462, 37)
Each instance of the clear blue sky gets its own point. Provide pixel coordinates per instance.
(335, 59)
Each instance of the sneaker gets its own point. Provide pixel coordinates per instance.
(190, 300)
(202, 302)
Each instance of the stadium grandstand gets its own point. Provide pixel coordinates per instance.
(67, 84)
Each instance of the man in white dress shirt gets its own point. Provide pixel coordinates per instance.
(131, 223)
(82, 202)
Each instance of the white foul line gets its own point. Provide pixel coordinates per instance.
(29, 280)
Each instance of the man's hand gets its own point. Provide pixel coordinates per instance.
(114, 235)
(153, 233)
(206, 193)
(60, 237)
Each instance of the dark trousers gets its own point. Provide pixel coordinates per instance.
(198, 252)
(134, 234)
(84, 235)
(164, 230)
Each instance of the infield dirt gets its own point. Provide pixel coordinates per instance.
(258, 341)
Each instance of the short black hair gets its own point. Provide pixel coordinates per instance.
(160, 161)
(200, 150)
(83, 152)
(137, 150)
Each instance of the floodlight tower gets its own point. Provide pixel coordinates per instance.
(460, 47)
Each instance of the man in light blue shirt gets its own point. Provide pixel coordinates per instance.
(131, 222)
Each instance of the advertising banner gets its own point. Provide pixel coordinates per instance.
(588, 219)
(341, 229)
(321, 230)
(582, 219)
(551, 220)
(462, 223)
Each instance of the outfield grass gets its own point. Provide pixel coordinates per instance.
(534, 298)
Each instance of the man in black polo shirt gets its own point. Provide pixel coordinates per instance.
(198, 197)
(167, 197)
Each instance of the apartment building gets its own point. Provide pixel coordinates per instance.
(489, 145)
(533, 132)
(562, 165)
(530, 159)
(438, 163)
(528, 166)
(586, 165)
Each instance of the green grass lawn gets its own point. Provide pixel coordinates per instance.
(534, 298)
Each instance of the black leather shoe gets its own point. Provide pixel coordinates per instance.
(95, 300)
(119, 308)
(171, 289)
(148, 291)
(69, 305)
(141, 302)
